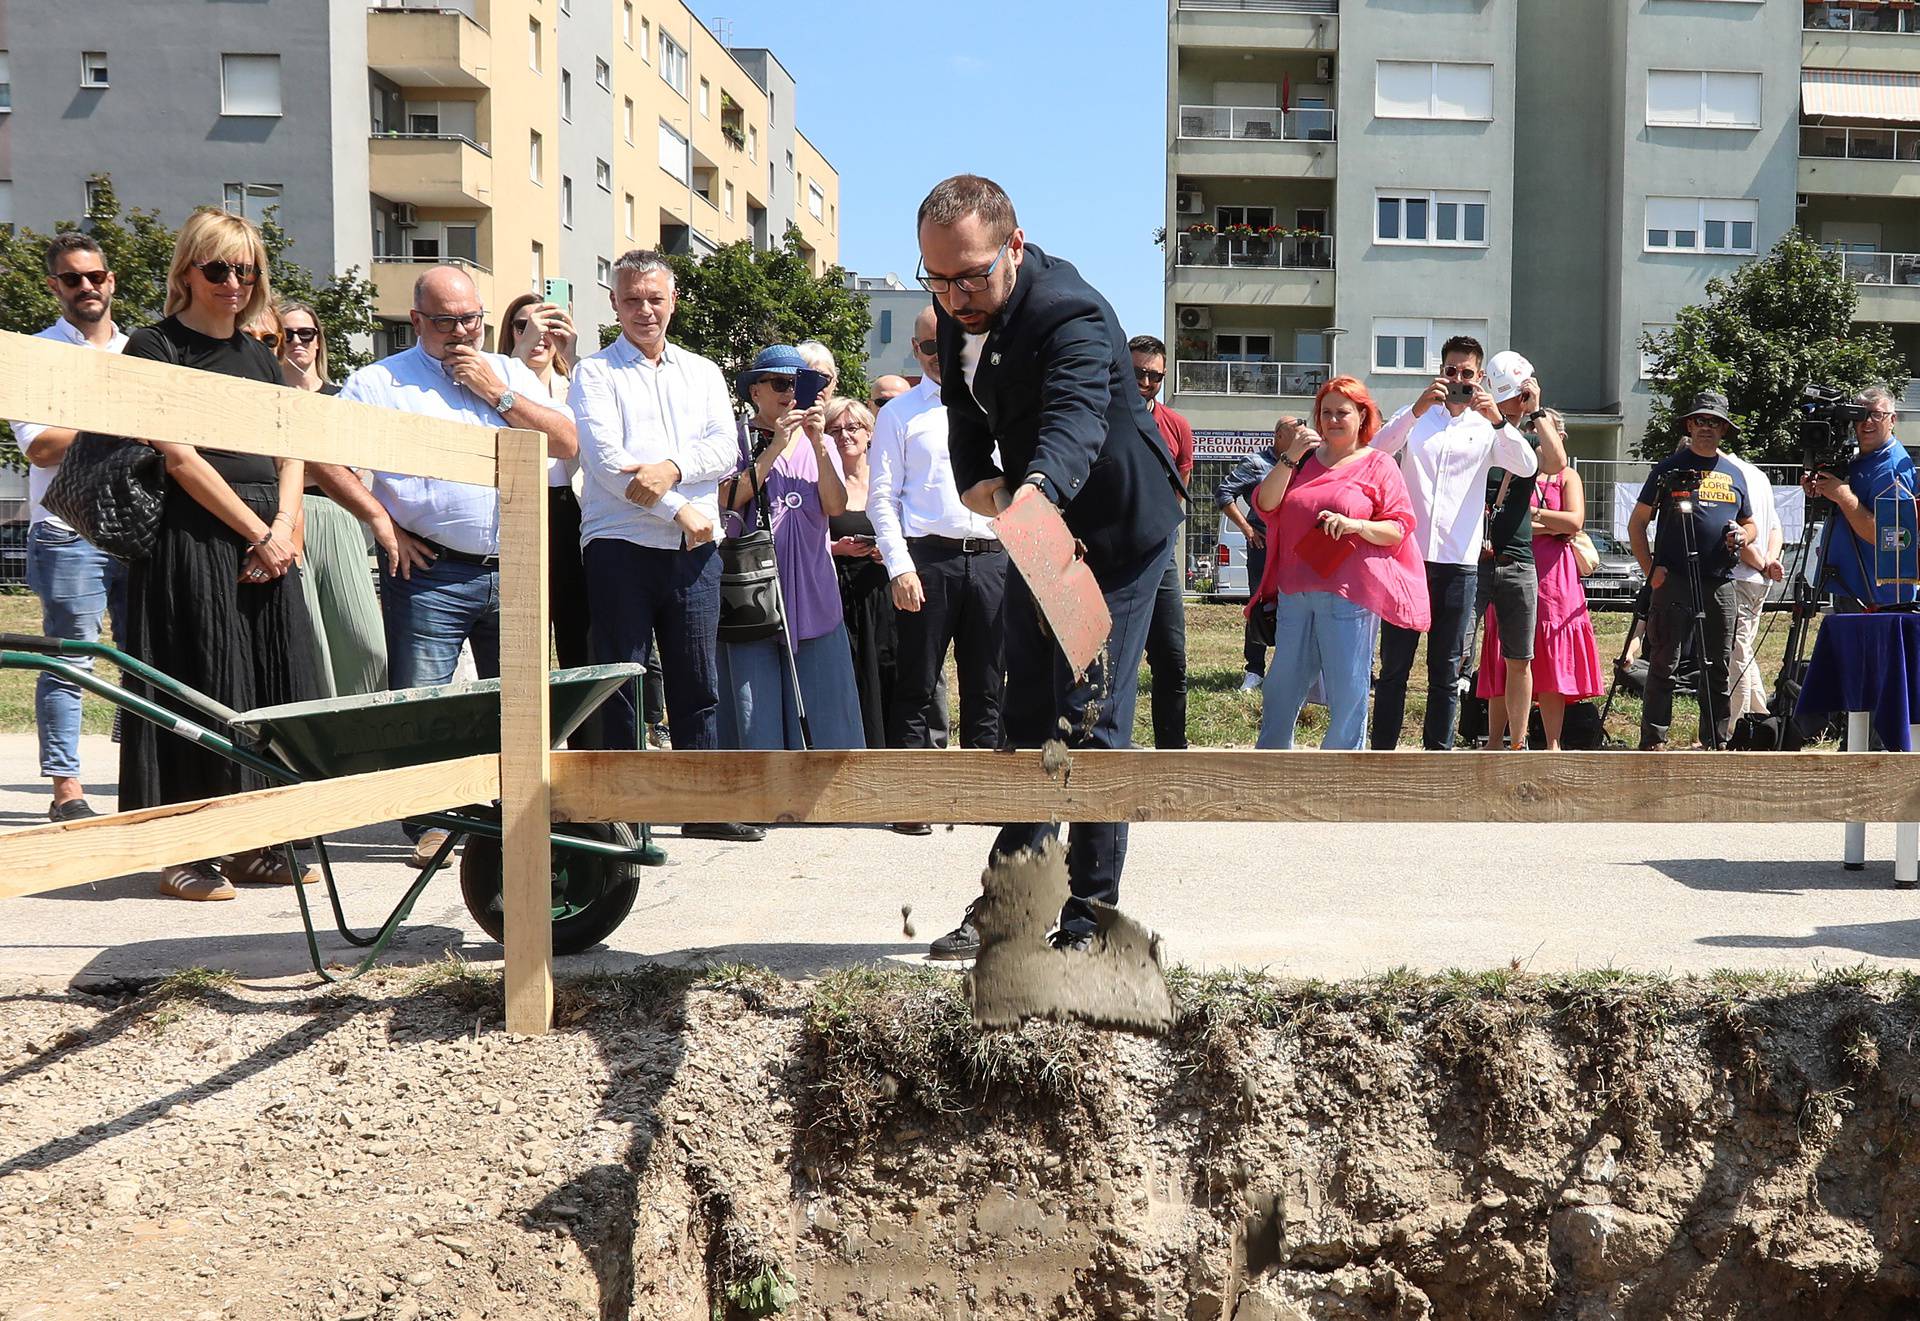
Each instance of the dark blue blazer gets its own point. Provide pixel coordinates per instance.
(1055, 391)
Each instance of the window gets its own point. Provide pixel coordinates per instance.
(753, 141)
(603, 174)
(96, 195)
(833, 220)
(673, 64)
(1646, 359)
(566, 95)
(6, 202)
(626, 21)
(1703, 98)
(673, 155)
(726, 196)
(1410, 346)
(539, 265)
(885, 328)
(250, 85)
(1456, 219)
(626, 118)
(534, 171)
(603, 75)
(628, 211)
(706, 99)
(646, 40)
(250, 200)
(93, 68)
(816, 201)
(6, 91)
(463, 243)
(789, 162)
(1702, 224)
(603, 272)
(533, 44)
(566, 200)
(1419, 89)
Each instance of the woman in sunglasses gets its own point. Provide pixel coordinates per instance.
(336, 576)
(790, 473)
(212, 606)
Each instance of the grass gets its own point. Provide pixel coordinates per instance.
(167, 999)
(20, 613)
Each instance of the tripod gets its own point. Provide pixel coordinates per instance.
(1636, 628)
(1680, 505)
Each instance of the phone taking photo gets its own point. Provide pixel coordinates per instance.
(1460, 392)
(807, 385)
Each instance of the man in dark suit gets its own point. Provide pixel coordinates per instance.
(1041, 405)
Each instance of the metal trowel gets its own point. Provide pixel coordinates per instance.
(1048, 557)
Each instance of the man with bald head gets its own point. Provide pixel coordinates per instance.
(439, 540)
(887, 389)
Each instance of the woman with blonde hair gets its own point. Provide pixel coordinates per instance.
(212, 605)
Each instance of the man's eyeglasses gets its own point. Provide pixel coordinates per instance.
(454, 321)
(74, 279)
(1150, 377)
(966, 284)
(1460, 372)
(217, 272)
(930, 347)
(1878, 417)
(303, 334)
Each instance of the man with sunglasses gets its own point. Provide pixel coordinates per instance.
(1167, 633)
(1041, 405)
(75, 580)
(1454, 435)
(886, 389)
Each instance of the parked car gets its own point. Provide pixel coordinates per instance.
(1615, 584)
(1223, 574)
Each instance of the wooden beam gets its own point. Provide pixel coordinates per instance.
(58, 384)
(51, 857)
(525, 778)
(991, 787)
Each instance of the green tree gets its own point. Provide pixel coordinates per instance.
(736, 301)
(1766, 332)
(344, 304)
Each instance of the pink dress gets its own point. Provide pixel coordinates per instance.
(1390, 581)
(1566, 659)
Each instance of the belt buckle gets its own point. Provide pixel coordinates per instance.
(968, 545)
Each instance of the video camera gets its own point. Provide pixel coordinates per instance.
(1827, 416)
(1676, 487)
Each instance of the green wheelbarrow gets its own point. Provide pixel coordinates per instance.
(595, 865)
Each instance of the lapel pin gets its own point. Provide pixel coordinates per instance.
(994, 360)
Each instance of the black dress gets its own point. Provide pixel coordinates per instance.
(189, 615)
(866, 598)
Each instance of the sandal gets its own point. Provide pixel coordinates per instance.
(264, 867)
(196, 881)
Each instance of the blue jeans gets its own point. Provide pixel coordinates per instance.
(431, 613)
(758, 710)
(1324, 636)
(75, 581)
(1041, 692)
(636, 594)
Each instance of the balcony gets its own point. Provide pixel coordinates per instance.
(1246, 396)
(1903, 21)
(1294, 271)
(1889, 285)
(431, 169)
(1281, 250)
(1243, 25)
(417, 47)
(1910, 397)
(393, 279)
(1255, 141)
(1865, 162)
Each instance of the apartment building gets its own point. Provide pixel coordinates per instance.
(1350, 182)
(527, 139)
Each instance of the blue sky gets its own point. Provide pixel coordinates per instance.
(1069, 115)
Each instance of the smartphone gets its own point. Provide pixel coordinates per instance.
(559, 292)
(807, 385)
(1460, 392)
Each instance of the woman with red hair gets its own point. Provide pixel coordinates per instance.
(1338, 563)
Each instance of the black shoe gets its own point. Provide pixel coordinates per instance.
(963, 942)
(733, 832)
(912, 828)
(1074, 942)
(74, 809)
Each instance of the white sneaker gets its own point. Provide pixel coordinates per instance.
(1251, 682)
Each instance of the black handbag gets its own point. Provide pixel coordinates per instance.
(750, 604)
(110, 489)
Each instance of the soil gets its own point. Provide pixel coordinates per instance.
(733, 1145)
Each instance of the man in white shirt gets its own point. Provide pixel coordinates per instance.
(1453, 435)
(1750, 586)
(440, 540)
(657, 433)
(949, 571)
(75, 580)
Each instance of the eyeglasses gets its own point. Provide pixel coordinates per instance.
(847, 428)
(1878, 417)
(303, 334)
(451, 322)
(780, 384)
(268, 337)
(74, 279)
(1150, 377)
(1460, 372)
(966, 284)
(218, 271)
(930, 347)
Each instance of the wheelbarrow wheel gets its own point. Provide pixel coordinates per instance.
(592, 895)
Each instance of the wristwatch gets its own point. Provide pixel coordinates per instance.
(507, 400)
(1533, 419)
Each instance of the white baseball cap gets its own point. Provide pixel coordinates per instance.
(1507, 374)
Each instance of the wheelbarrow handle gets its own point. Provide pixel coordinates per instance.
(45, 646)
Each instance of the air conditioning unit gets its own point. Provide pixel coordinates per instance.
(1323, 69)
(405, 216)
(1195, 318)
(1187, 202)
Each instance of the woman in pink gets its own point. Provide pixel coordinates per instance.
(1338, 563)
(1566, 659)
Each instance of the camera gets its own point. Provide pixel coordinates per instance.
(1827, 416)
(1677, 487)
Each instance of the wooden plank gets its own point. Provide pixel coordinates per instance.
(51, 857)
(525, 777)
(1140, 785)
(66, 385)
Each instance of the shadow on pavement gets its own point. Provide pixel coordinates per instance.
(267, 954)
(1891, 940)
(1724, 876)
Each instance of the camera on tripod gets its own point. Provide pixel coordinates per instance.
(1676, 488)
(1827, 416)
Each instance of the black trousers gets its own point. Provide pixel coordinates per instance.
(965, 593)
(1669, 620)
(1451, 589)
(1167, 657)
(1253, 644)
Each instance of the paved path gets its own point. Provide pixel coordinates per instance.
(1325, 901)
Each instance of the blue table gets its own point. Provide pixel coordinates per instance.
(1868, 665)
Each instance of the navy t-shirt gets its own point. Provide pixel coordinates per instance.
(1719, 501)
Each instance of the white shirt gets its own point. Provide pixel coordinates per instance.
(1766, 515)
(39, 479)
(971, 347)
(1445, 468)
(911, 492)
(457, 515)
(632, 410)
(561, 472)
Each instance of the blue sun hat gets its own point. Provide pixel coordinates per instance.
(775, 360)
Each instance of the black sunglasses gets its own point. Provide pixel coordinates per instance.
(218, 271)
(74, 279)
(780, 384)
(304, 334)
(928, 346)
(1150, 377)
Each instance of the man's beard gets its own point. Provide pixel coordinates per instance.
(90, 313)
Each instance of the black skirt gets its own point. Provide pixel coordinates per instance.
(866, 598)
(190, 617)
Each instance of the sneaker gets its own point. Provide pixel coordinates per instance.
(659, 737)
(1251, 682)
(425, 847)
(963, 942)
(1653, 747)
(265, 867)
(196, 881)
(912, 828)
(732, 832)
(74, 809)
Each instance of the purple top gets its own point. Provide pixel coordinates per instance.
(807, 578)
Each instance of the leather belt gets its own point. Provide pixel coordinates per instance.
(965, 545)
(453, 556)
